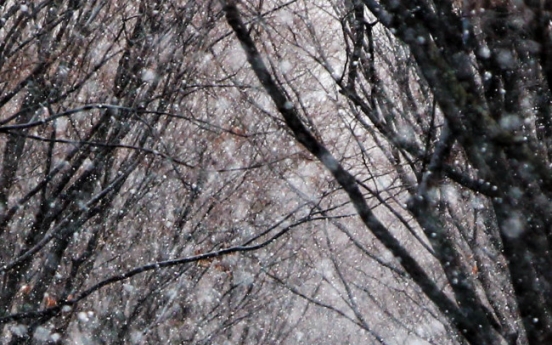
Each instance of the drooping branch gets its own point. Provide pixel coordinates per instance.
(48, 313)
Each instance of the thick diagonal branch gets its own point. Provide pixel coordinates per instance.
(468, 323)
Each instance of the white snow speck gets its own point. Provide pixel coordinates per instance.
(223, 104)
(433, 195)
(19, 330)
(484, 52)
(61, 125)
(477, 203)
(286, 18)
(506, 59)
(406, 133)
(129, 288)
(41, 334)
(285, 66)
(136, 337)
(514, 226)
(148, 75)
(451, 195)
(88, 164)
(288, 105)
(510, 122)
(299, 336)
(63, 71)
(83, 317)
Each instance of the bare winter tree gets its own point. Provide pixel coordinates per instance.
(127, 186)
(247, 172)
(442, 148)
